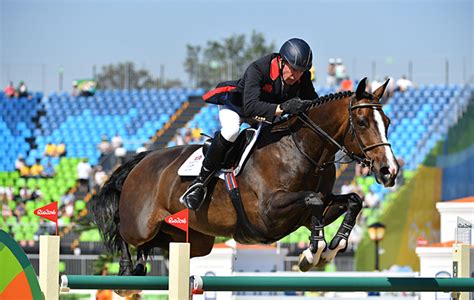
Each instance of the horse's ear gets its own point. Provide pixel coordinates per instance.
(361, 88)
(380, 90)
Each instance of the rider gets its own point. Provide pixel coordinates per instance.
(271, 86)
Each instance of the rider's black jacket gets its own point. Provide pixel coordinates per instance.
(257, 94)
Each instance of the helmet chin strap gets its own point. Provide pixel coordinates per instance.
(281, 71)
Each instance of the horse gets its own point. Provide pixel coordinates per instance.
(286, 183)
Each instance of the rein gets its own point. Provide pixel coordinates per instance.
(365, 161)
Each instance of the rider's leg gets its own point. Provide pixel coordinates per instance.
(222, 142)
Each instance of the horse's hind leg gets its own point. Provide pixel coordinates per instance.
(125, 260)
(140, 266)
(351, 204)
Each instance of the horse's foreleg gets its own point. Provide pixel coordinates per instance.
(311, 256)
(353, 204)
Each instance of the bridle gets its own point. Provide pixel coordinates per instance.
(365, 160)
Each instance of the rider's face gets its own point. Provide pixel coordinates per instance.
(290, 74)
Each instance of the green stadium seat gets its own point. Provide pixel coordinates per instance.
(25, 220)
(79, 205)
(31, 183)
(14, 175)
(20, 182)
(30, 206)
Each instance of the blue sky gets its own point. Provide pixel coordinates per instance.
(38, 37)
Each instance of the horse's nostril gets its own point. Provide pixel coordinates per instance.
(385, 174)
(384, 171)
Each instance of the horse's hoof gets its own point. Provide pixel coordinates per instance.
(303, 264)
(305, 261)
(140, 270)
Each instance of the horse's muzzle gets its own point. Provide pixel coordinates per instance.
(386, 175)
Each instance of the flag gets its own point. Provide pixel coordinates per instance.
(49, 212)
(179, 220)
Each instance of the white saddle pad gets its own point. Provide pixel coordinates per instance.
(192, 165)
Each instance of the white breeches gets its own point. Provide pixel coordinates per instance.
(230, 123)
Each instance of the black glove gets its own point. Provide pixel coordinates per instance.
(295, 106)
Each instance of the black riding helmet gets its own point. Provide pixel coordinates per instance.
(297, 54)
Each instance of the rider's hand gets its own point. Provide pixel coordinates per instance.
(295, 106)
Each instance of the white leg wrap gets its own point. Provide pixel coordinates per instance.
(313, 258)
(329, 254)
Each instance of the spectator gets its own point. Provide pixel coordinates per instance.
(403, 84)
(120, 154)
(178, 138)
(100, 176)
(69, 197)
(105, 147)
(117, 141)
(188, 137)
(36, 194)
(6, 210)
(37, 169)
(49, 171)
(196, 134)
(22, 91)
(25, 194)
(9, 90)
(375, 84)
(75, 89)
(340, 71)
(84, 171)
(331, 79)
(19, 163)
(60, 149)
(346, 85)
(7, 193)
(371, 199)
(50, 149)
(25, 171)
(20, 209)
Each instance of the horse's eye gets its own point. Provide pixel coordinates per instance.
(362, 122)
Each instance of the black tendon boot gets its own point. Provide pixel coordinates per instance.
(196, 192)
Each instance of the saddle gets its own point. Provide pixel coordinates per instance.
(234, 159)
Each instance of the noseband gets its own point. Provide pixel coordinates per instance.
(365, 160)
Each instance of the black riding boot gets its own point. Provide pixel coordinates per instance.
(197, 191)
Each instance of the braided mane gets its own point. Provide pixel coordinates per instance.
(331, 97)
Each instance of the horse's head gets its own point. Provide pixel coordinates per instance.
(368, 133)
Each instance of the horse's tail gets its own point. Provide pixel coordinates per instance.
(104, 206)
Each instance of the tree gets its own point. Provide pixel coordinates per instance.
(126, 76)
(224, 60)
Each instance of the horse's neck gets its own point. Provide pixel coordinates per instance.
(277, 142)
(332, 118)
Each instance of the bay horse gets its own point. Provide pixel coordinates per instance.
(287, 182)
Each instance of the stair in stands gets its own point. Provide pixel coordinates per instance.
(195, 105)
